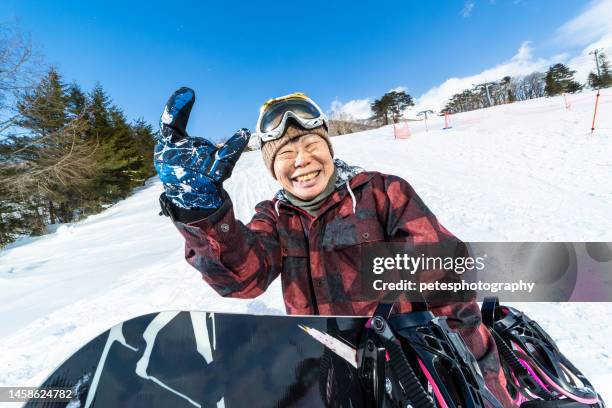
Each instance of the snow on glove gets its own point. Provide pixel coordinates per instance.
(192, 169)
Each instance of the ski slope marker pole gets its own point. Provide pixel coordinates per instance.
(595, 112)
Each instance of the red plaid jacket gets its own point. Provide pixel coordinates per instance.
(318, 258)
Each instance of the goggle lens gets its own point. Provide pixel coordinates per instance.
(273, 116)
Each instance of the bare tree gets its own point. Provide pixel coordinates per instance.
(532, 86)
(53, 172)
(18, 71)
(341, 123)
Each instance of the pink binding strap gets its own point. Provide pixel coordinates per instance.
(435, 388)
(521, 353)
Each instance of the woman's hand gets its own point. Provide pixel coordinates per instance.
(192, 169)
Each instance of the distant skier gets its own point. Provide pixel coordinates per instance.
(313, 232)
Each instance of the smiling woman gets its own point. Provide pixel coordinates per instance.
(316, 230)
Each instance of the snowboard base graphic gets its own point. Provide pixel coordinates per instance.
(201, 359)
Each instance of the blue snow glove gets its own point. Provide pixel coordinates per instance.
(192, 169)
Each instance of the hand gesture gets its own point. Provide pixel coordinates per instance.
(192, 169)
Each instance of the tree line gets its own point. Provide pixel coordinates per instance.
(64, 153)
(557, 80)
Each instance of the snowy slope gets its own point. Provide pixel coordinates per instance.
(529, 171)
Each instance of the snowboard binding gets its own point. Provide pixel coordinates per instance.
(538, 373)
(416, 360)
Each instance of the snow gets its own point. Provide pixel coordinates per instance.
(529, 171)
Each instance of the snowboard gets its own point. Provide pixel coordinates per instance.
(201, 359)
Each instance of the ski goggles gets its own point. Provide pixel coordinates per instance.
(275, 113)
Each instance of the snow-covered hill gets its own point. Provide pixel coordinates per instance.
(529, 171)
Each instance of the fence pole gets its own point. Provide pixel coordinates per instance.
(568, 105)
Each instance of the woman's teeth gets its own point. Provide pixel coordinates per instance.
(306, 177)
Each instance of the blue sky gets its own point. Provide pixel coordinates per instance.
(238, 54)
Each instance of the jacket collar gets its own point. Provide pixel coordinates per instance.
(347, 175)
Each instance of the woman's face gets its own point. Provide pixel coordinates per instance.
(304, 166)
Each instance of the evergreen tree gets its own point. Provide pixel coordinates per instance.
(103, 189)
(604, 78)
(559, 78)
(43, 110)
(12, 224)
(380, 108)
(53, 159)
(509, 96)
(606, 72)
(98, 112)
(392, 104)
(144, 142)
(398, 102)
(42, 114)
(76, 101)
(123, 162)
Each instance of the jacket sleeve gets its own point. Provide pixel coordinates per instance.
(409, 220)
(235, 259)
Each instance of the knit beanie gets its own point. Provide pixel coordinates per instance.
(292, 131)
